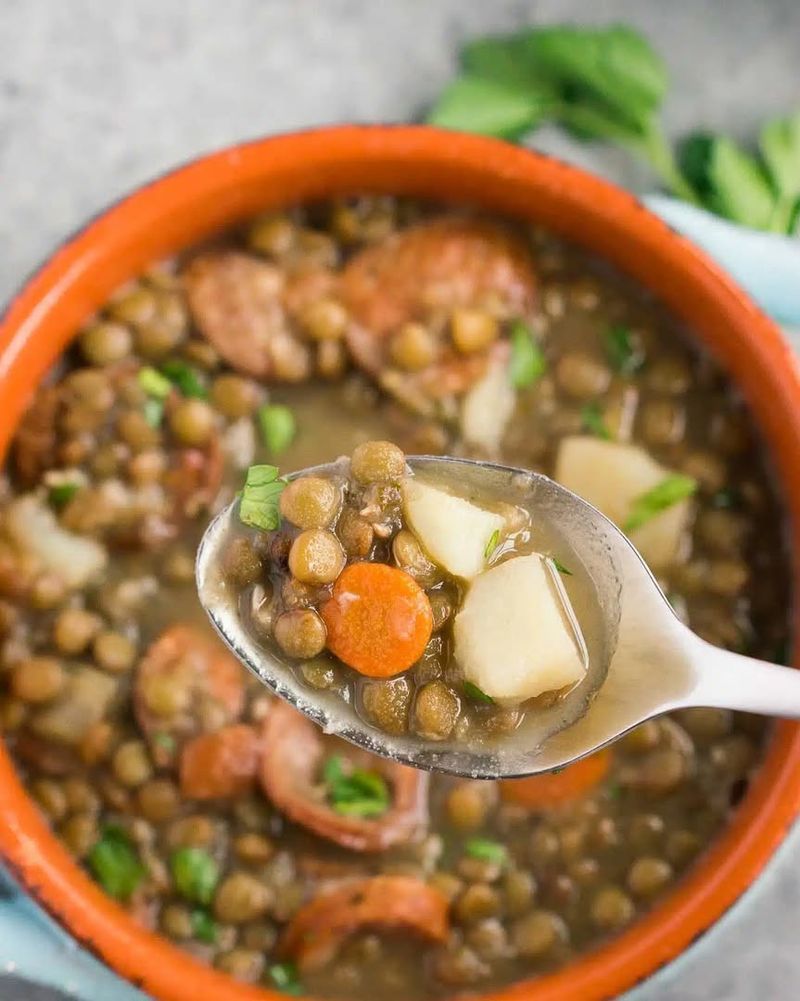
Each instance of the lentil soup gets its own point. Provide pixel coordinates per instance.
(225, 820)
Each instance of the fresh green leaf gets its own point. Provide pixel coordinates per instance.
(115, 863)
(195, 874)
(486, 850)
(60, 494)
(258, 505)
(622, 350)
(185, 378)
(669, 491)
(527, 362)
(154, 383)
(357, 793)
(780, 147)
(727, 179)
(278, 427)
(286, 978)
(592, 420)
(506, 60)
(476, 694)
(491, 545)
(560, 567)
(471, 104)
(153, 412)
(204, 927)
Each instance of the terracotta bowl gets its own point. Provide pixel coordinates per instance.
(223, 188)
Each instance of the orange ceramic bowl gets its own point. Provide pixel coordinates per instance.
(222, 189)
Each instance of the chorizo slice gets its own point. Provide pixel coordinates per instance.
(237, 302)
(187, 682)
(294, 750)
(385, 903)
(220, 765)
(36, 440)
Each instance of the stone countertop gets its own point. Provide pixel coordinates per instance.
(97, 97)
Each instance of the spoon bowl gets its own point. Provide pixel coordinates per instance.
(643, 661)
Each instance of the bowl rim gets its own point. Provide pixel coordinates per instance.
(37, 324)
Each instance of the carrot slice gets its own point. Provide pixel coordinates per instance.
(378, 619)
(400, 903)
(558, 788)
(221, 764)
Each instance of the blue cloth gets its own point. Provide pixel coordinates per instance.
(33, 946)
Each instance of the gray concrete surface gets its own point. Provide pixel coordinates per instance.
(99, 95)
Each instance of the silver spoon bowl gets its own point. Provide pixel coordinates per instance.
(644, 660)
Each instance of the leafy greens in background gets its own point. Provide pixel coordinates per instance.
(608, 84)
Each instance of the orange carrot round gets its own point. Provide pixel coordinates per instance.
(220, 764)
(558, 788)
(378, 618)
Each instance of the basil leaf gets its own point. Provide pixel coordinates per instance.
(527, 362)
(622, 350)
(286, 978)
(487, 108)
(195, 874)
(204, 927)
(486, 850)
(278, 427)
(358, 793)
(664, 495)
(491, 545)
(728, 180)
(115, 863)
(258, 505)
(185, 378)
(592, 420)
(60, 494)
(154, 383)
(560, 567)
(153, 412)
(475, 693)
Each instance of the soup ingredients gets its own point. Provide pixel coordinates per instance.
(512, 638)
(607, 83)
(260, 501)
(454, 532)
(219, 764)
(637, 493)
(378, 619)
(553, 789)
(116, 864)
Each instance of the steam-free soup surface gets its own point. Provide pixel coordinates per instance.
(221, 818)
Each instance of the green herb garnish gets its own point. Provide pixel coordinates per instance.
(527, 362)
(258, 505)
(357, 793)
(154, 383)
(592, 420)
(486, 850)
(204, 927)
(286, 978)
(115, 863)
(476, 693)
(669, 491)
(622, 351)
(195, 874)
(491, 545)
(153, 412)
(608, 84)
(560, 567)
(185, 378)
(278, 428)
(60, 494)
(165, 741)
(725, 499)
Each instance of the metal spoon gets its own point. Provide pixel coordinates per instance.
(647, 661)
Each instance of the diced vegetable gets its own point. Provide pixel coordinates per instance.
(185, 378)
(508, 651)
(195, 873)
(278, 427)
(357, 793)
(454, 532)
(611, 476)
(259, 505)
(487, 408)
(527, 362)
(115, 863)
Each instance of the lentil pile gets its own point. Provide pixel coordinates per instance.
(226, 821)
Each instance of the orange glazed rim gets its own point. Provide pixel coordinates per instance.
(216, 191)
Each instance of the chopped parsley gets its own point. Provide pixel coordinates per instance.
(486, 850)
(195, 874)
(623, 352)
(116, 864)
(258, 505)
(278, 427)
(156, 385)
(592, 420)
(560, 567)
(356, 793)
(664, 495)
(60, 494)
(286, 978)
(204, 927)
(491, 545)
(476, 693)
(527, 362)
(153, 411)
(185, 378)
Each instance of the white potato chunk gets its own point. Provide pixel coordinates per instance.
(512, 636)
(33, 527)
(611, 476)
(487, 408)
(453, 531)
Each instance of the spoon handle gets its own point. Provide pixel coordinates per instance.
(732, 681)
